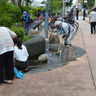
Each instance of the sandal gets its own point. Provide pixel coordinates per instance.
(8, 81)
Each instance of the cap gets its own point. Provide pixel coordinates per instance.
(24, 13)
(57, 23)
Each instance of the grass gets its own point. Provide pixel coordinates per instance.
(49, 69)
(26, 38)
(65, 63)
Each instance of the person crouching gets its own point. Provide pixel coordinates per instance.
(20, 55)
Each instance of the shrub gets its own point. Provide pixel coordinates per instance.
(15, 12)
(34, 11)
(5, 20)
(23, 8)
(26, 38)
(19, 31)
(9, 14)
(89, 11)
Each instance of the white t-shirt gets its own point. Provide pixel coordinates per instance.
(93, 16)
(6, 42)
(21, 54)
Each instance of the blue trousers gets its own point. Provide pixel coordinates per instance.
(26, 29)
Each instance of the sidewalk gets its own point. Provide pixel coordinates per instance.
(78, 78)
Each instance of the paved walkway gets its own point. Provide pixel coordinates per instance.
(78, 78)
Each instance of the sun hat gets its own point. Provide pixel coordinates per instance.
(57, 23)
(24, 13)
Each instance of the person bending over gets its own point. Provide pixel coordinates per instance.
(67, 30)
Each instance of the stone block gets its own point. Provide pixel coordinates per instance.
(35, 46)
(68, 54)
(54, 38)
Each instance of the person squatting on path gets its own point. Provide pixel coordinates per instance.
(68, 31)
(92, 20)
(26, 21)
(20, 55)
(6, 55)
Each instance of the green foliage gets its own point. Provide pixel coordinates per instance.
(69, 3)
(26, 38)
(90, 3)
(23, 8)
(66, 63)
(49, 69)
(54, 5)
(19, 31)
(33, 11)
(5, 20)
(14, 12)
(89, 11)
(9, 14)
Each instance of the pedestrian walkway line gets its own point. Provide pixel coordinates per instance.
(88, 61)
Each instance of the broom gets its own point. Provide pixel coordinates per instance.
(58, 52)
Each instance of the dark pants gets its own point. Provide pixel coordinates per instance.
(20, 65)
(6, 64)
(83, 17)
(92, 27)
(27, 28)
(77, 16)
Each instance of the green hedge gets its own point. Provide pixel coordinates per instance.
(33, 11)
(9, 14)
(23, 8)
(19, 31)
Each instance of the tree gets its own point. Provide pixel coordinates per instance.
(69, 3)
(43, 2)
(13, 2)
(19, 3)
(54, 5)
(26, 3)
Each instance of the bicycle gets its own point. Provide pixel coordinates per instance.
(53, 28)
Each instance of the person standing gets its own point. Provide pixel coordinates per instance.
(39, 15)
(6, 55)
(92, 20)
(26, 21)
(67, 30)
(77, 13)
(84, 14)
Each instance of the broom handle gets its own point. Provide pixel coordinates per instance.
(60, 45)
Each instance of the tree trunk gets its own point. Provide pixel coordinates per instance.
(13, 2)
(18, 3)
(26, 3)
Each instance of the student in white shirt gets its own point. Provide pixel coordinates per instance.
(92, 20)
(21, 56)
